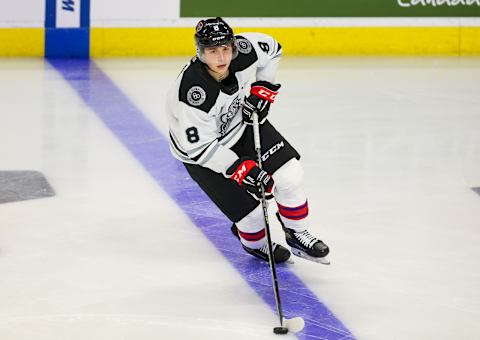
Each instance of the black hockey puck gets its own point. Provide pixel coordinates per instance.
(280, 330)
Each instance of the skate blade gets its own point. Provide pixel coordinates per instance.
(323, 260)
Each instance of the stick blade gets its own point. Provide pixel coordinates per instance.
(295, 324)
(280, 330)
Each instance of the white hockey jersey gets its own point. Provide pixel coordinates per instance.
(205, 116)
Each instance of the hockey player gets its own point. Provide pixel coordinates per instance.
(209, 109)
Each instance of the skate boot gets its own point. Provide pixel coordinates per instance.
(305, 245)
(280, 253)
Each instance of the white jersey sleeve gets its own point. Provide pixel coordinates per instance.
(268, 51)
(194, 138)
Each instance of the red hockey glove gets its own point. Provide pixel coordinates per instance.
(248, 175)
(262, 94)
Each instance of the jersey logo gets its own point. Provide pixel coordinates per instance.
(227, 117)
(196, 96)
(244, 46)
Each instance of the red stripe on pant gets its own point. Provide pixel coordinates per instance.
(252, 236)
(294, 213)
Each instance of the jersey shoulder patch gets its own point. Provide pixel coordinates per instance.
(246, 54)
(244, 45)
(197, 88)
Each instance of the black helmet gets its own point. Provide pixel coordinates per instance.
(214, 32)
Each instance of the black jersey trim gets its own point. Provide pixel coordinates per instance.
(196, 76)
(186, 155)
(229, 85)
(209, 154)
(174, 144)
(197, 157)
(243, 60)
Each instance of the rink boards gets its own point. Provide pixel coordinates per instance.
(333, 40)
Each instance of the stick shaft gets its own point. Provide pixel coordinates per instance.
(273, 270)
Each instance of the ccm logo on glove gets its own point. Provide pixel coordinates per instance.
(263, 92)
(243, 170)
(249, 176)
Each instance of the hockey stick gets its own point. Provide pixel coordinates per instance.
(295, 324)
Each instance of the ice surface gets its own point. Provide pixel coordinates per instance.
(391, 151)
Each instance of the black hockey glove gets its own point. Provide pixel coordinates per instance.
(248, 175)
(262, 94)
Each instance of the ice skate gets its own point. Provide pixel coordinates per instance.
(280, 253)
(305, 245)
